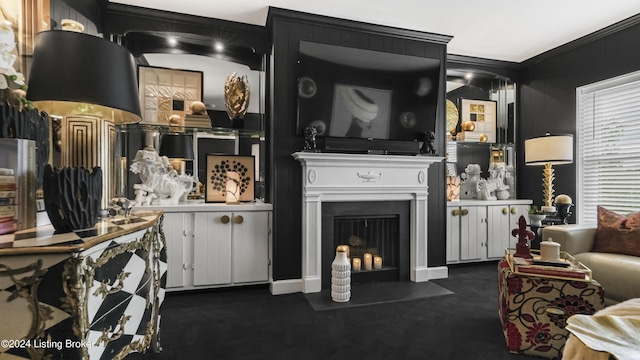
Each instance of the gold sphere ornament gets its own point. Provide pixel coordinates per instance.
(468, 126)
(198, 108)
(483, 138)
(563, 199)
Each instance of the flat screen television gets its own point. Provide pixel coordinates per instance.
(355, 93)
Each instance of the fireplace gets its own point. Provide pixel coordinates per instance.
(362, 178)
(378, 228)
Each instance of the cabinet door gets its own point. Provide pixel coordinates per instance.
(473, 232)
(212, 248)
(453, 234)
(499, 230)
(175, 234)
(514, 215)
(250, 242)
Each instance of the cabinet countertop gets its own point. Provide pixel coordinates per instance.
(201, 206)
(472, 202)
(43, 239)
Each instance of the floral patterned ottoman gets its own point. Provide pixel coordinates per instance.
(533, 310)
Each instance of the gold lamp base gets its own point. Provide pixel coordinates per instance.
(547, 185)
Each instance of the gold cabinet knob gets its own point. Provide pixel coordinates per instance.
(238, 219)
(505, 211)
(465, 211)
(224, 219)
(514, 210)
(455, 212)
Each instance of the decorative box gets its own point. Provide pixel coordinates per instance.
(533, 310)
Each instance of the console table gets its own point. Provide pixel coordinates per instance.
(88, 294)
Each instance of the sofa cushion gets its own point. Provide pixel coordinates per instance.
(617, 233)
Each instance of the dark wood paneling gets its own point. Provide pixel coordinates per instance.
(287, 30)
(547, 96)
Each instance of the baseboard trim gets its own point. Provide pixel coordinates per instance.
(438, 272)
(281, 287)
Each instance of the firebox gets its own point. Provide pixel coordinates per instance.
(377, 236)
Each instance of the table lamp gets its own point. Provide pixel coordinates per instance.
(548, 150)
(91, 84)
(178, 148)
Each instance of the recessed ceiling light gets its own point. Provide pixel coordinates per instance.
(218, 46)
(172, 41)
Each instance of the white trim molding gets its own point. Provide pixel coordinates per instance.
(333, 177)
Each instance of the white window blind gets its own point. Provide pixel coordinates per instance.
(608, 147)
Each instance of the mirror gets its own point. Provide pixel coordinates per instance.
(200, 54)
(473, 84)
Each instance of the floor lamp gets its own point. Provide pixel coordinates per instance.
(91, 84)
(548, 150)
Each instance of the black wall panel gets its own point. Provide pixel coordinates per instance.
(287, 30)
(547, 95)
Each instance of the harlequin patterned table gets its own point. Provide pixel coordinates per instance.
(533, 310)
(89, 294)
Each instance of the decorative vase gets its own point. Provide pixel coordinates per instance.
(236, 99)
(72, 197)
(341, 276)
(536, 219)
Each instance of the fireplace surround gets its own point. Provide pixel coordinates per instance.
(336, 177)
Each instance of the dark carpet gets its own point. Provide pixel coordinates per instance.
(250, 323)
(377, 293)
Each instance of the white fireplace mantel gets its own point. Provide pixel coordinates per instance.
(333, 177)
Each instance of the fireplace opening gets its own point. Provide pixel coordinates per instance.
(377, 237)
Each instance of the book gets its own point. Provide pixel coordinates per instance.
(7, 210)
(7, 171)
(7, 194)
(7, 179)
(7, 218)
(7, 186)
(7, 201)
(8, 227)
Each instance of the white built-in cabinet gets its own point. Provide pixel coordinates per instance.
(217, 245)
(480, 230)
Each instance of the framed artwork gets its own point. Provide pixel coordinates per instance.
(360, 112)
(481, 114)
(218, 166)
(165, 92)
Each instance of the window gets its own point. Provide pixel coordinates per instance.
(608, 146)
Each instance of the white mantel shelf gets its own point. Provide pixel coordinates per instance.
(335, 177)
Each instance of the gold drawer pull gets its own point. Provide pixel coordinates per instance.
(514, 210)
(238, 219)
(505, 211)
(455, 212)
(465, 211)
(224, 219)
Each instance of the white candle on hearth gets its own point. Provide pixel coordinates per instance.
(356, 264)
(367, 261)
(377, 262)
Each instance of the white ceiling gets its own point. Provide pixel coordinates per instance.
(510, 30)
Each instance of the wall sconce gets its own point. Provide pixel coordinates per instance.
(548, 150)
(91, 83)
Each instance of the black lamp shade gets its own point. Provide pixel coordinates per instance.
(80, 74)
(177, 146)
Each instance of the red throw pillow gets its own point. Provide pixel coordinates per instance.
(617, 233)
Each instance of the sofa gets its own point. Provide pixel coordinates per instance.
(617, 271)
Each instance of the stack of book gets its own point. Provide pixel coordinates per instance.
(197, 121)
(8, 203)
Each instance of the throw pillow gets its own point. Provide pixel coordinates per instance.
(617, 233)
